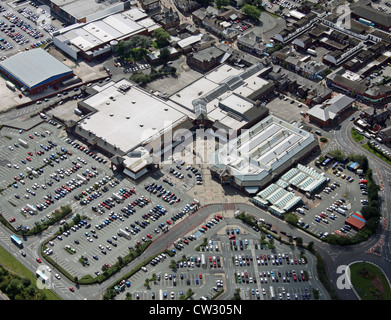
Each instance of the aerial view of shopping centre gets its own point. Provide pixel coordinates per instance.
(209, 151)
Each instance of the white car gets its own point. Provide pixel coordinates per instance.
(57, 276)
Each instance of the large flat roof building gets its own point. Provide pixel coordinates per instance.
(74, 11)
(125, 122)
(261, 154)
(34, 70)
(228, 95)
(93, 39)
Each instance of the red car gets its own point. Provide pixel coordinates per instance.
(30, 153)
(168, 221)
(149, 236)
(28, 158)
(12, 220)
(71, 288)
(38, 260)
(31, 136)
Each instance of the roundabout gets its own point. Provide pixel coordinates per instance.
(368, 281)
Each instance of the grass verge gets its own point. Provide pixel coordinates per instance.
(9, 262)
(369, 282)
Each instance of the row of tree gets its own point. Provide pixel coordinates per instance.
(137, 47)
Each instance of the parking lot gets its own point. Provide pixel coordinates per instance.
(287, 108)
(286, 5)
(328, 210)
(42, 171)
(120, 216)
(262, 273)
(24, 27)
(226, 257)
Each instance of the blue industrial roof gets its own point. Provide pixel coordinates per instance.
(34, 68)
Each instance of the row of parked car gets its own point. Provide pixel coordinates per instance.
(90, 153)
(160, 191)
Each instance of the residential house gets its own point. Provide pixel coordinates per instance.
(331, 111)
(153, 57)
(297, 28)
(206, 59)
(220, 28)
(251, 43)
(303, 42)
(167, 18)
(150, 5)
(186, 6)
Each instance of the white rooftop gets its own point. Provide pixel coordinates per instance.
(263, 148)
(128, 119)
(87, 36)
(210, 86)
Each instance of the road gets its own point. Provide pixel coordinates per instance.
(336, 256)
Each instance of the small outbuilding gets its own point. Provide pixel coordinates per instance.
(356, 221)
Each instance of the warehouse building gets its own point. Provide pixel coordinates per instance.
(128, 125)
(35, 70)
(261, 154)
(74, 11)
(99, 37)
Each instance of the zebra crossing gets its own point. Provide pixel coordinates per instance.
(4, 237)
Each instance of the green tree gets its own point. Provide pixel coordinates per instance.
(14, 287)
(162, 37)
(164, 55)
(120, 260)
(172, 264)
(251, 11)
(204, 3)
(221, 3)
(310, 246)
(139, 41)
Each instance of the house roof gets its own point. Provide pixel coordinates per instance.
(331, 108)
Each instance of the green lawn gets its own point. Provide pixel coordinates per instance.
(356, 136)
(377, 154)
(9, 262)
(369, 282)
